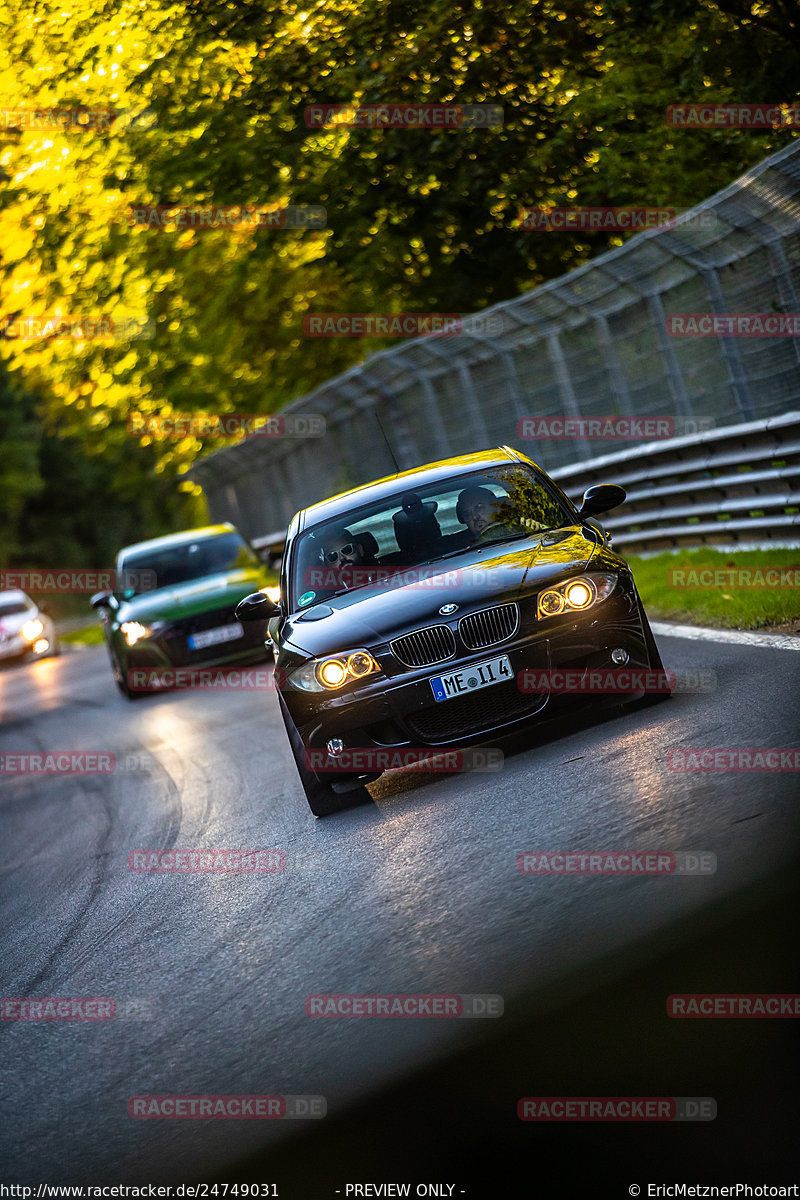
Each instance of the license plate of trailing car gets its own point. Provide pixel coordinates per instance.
(212, 637)
(479, 675)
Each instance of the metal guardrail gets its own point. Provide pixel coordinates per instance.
(739, 484)
(593, 343)
(727, 486)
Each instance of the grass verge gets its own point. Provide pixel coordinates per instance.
(742, 592)
(92, 635)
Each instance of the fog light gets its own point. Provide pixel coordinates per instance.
(619, 657)
(335, 747)
(40, 646)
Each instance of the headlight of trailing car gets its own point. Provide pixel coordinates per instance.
(333, 672)
(134, 631)
(31, 629)
(575, 595)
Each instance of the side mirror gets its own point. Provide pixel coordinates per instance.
(104, 600)
(256, 607)
(601, 498)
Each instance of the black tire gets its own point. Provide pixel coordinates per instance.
(653, 654)
(654, 661)
(120, 680)
(322, 799)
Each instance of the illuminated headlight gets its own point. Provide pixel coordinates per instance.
(32, 629)
(576, 594)
(330, 674)
(134, 631)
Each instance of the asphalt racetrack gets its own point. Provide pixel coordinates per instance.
(417, 893)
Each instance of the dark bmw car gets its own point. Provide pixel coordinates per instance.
(174, 607)
(413, 609)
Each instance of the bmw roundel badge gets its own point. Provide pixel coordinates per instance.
(447, 609)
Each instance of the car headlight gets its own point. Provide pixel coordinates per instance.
(333, 672)
(133, 631)
(575, 595)
(31, 629)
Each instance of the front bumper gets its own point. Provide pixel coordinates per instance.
(16, 646)
(397, 708)
(161, 653)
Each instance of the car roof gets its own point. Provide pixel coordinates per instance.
(464, 464)
(14, 594)
(177, 539)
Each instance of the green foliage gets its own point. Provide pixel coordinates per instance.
(418, 220)
(20, 479)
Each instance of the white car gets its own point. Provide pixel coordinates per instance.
(25, 631)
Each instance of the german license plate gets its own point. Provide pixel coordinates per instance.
(470, 679)
(212, 637)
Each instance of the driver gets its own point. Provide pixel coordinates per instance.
(485, 515)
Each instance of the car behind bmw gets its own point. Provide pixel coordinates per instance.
(26, 631)
(174, 607)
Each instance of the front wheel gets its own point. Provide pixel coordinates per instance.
(322, 799)
(120, 679)
(654, 663)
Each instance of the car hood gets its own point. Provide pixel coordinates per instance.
(195, 596)
(479, 577)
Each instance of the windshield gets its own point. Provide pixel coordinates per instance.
(14, 608)
(416, 527)
(149, 569)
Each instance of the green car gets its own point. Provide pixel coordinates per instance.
(173, 608)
